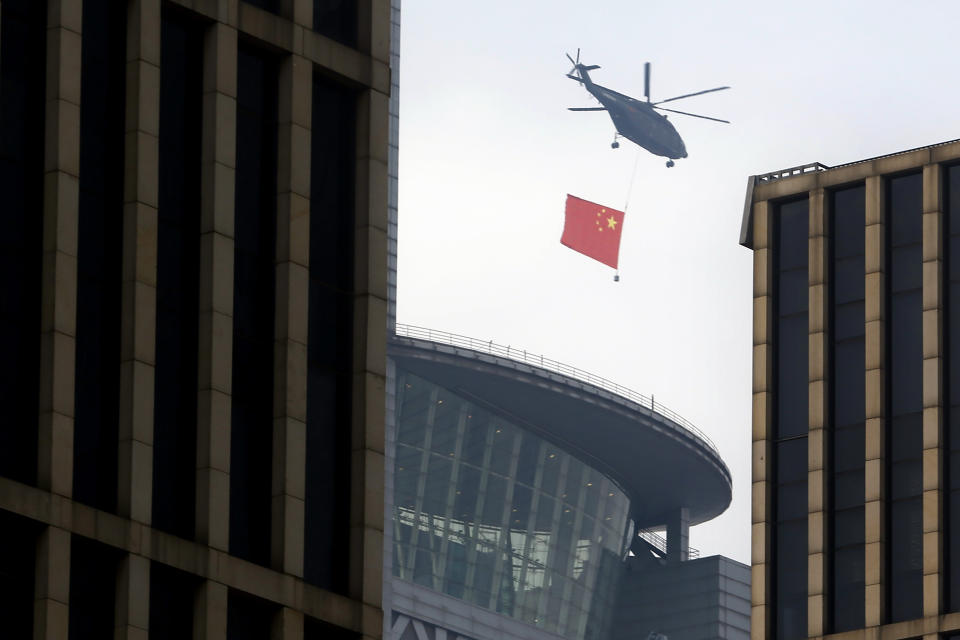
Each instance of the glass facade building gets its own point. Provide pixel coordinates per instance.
(495, 515)
(519, 489)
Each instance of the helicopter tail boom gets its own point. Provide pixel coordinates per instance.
(580, 72)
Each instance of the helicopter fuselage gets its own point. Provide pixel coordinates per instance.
(637, 121)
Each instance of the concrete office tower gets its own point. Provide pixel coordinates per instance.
(193, 220)
(526, 496)
(856, 401)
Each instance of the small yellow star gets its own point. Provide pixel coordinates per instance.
(612, 223)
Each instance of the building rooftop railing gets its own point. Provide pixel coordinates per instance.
(658, 542)
(521, 355)
(819, 166)
(792, 171)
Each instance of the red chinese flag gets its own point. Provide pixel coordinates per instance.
(593, 230)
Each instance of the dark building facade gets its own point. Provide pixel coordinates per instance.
(700, 598)
(193, 302)
(856, 507)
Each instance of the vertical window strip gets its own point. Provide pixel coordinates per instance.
(249, 617)
(172, 594)
(100, 238)
(330, 331)
(23, 29)
(791, 422)
(93, 587)
(336, 19)
(904, 401)
(17, 573)
(178, 265)
(951, 385)
(847, 402)
(314, 629)
(254, 301)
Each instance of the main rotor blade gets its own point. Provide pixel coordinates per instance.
(586, 108)
(692, 114)
(690, 95)
(646, 80)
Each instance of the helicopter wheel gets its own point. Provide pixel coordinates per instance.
(614, 145)
(669, 163)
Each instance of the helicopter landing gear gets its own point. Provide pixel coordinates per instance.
(669, 163)
(614, 145)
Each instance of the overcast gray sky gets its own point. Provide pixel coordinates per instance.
(488, 153)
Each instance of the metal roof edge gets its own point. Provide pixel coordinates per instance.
(746, 223)
(746, 226)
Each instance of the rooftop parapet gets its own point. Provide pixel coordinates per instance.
(521, 355)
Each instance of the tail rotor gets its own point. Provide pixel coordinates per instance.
(575, 63)
(579, 71)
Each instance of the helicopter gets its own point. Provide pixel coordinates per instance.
(636, 120)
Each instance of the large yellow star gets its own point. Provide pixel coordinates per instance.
(612, 223)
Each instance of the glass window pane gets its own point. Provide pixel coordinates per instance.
(494, 499)
(905, 557)
(445, 422)
(848, 452)
(848, 320)
(848, 489)
(906, 436)
(468, 489)
(791, 501)
(503, 439)
(529, 456)
(438, 485)
(848, 221)
(793, 234)
(906, 479)
(791, 463)
(905, 206)
(848, 528)
(792, 292)
(475, 436)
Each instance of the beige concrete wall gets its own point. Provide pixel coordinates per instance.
(58, 323)
(932, 385)
(51, 615)
(292, 293)
(215, 339)
(761, 623)
(935, 619)
(818, 439)
(129, 531)
(874, 414)
(139, 269)
(370, 363)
